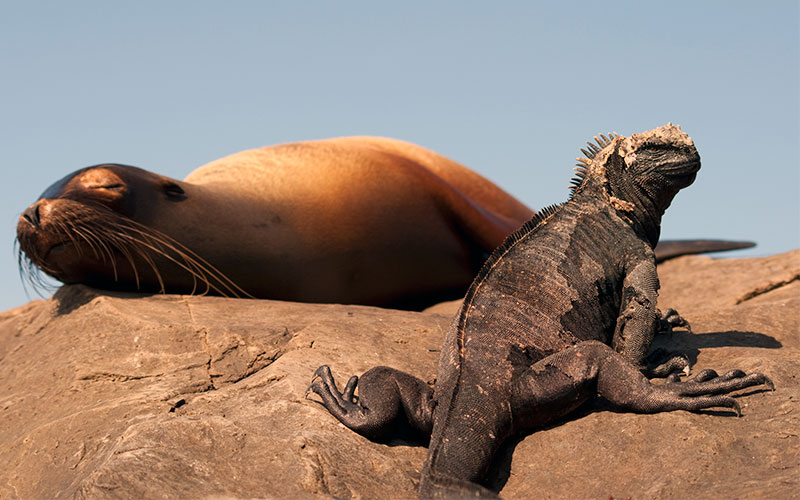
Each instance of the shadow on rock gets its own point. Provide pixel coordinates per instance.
(690, 344)
(69, 298)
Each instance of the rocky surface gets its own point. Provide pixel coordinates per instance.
(123, 396)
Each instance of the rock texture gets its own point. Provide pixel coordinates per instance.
(124, 396)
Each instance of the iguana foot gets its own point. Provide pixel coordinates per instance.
(624, 386)
(342, 405)
(387, 397)
(706, 390)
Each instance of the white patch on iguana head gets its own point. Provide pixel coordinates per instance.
(597, 153)
(666, 134)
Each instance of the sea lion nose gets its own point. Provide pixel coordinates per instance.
(31, 214)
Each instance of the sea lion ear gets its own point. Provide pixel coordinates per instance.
(173, 191)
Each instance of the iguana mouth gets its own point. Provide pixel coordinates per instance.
(691, 166)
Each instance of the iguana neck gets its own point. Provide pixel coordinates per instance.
(633, 205)
(645, 218)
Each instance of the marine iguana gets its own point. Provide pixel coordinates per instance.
(563, 310)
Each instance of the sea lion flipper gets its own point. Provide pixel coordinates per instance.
(668, 249)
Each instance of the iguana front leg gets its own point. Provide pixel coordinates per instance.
(639, 321)
(555, 385)
(385, 398)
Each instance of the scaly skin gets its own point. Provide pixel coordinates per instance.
(563, 310)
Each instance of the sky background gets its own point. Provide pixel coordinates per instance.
(509, 89)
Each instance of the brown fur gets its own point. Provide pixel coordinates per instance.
(350, 220)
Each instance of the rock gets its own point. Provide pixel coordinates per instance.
(125, 396)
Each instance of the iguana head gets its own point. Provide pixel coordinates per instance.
(638, 175)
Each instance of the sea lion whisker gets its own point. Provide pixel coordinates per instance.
(24, 265)
(150, 262)
(65, 227)
(163, 248)
(206, 269)
(31, 273)
(126, 244)
(64, 222)
(107, 253)
(198, 273)
(185, 263)
(118, 233)
(85, 234)
(203, 269)
(123, 248)
(111, 232)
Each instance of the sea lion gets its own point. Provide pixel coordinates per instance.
(351, 220)
(359, 220)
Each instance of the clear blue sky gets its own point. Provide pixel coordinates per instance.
(510, 89)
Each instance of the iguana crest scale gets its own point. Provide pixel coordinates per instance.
(563, 310)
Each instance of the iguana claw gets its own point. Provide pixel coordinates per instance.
(670, 319)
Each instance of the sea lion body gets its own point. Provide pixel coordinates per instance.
(350, 220)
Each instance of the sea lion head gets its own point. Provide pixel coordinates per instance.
(99, 226)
